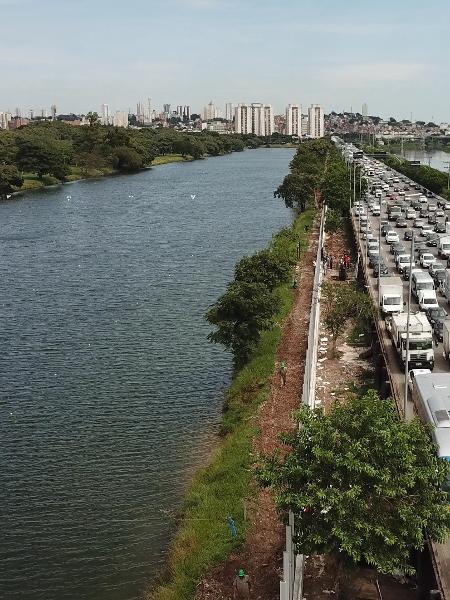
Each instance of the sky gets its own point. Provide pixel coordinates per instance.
(393, 55)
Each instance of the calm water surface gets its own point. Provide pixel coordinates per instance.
(434, 158)
(110, 394)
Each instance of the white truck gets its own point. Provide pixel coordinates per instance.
(421, 280)
(444, 246)
(446, 339)
(446, 285)
(421, 353)
(391, 295)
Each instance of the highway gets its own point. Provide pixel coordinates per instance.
(440, 552)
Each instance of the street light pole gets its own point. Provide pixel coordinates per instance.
(408, 317)
(379, 265)
(448, 169)
(354, 182)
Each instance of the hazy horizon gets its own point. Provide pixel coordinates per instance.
(79, 55)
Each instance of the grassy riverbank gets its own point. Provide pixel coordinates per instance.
(225, 486)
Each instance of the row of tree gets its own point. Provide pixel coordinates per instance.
(58, 149)
(430, 178)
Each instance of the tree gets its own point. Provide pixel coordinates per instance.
(93, 118)
(343, 304)
(296, 190)
(240, 315)
(363, 485)
(127, 159)
(264, 267)
(9, 179)
(41, 156)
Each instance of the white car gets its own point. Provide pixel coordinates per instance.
(427, 259)
(423, 199)
(436, 266)
(376, 209)
(440, 213)
(413, 373)
(427, 299)
(401, 193)
(392, 237)
(410, 213)
(447, 206)
(432, 208)
(425, 229)
(402, 261)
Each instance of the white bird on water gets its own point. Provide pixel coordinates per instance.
(193, 196)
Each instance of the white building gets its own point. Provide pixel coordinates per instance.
(294, 120)
(104, 114)
(305, 125)
(229, 111)
(254, 118)
(5, 118)
(315, 118)
(210, 112)
(121, 119)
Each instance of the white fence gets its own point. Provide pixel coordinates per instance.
(291, 586)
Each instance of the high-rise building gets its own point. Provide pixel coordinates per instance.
(186, 112)
(180, 111)
(364, 109)
(315, 118)
(305, 125)
(254, 118)
(209, 112)
(5, 118)
(140, 113)
(229, 111)
(294, 120)
(104, 114)
(120, 119)
(53, 110)
(166, 109)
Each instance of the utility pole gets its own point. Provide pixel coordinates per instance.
(448, 171)
(408, 317)
(354, 182)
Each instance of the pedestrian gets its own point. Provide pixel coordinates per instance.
(241, 585)
(282, 369)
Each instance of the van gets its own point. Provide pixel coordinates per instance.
(421, 281)
(427, 299)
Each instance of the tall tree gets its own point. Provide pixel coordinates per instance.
(363, 485)
(9, 179)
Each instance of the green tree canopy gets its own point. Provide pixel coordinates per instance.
(362, 484)
(9, 179)
(240, 315)
(265, 267)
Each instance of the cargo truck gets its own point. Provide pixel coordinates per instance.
(421, 353)
(444, 246)
(391, 295)
(421, 280)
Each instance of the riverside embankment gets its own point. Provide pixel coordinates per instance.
(111, 394)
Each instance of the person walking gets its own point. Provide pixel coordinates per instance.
(282, 369)
(241, 586)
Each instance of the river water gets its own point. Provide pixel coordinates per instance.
(434, 158)
(110, 394)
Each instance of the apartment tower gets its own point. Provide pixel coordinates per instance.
(315, 118)
(294, 120)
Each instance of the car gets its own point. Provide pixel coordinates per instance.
(430, 194)
(426, 228)
(401, 222)
(439, 213)
(406, 272)
(432, 239)
(408, 235)
(412, 375)
(446, 206)
(373, 258)
(432, 208)
(392, 237)
(436, 313)
(438, 329)
(436, 266)
(426, 259)
(410, 213)
(423, 214)
(418, 222)
(440, 227)
(439, 278)
(380, 270)
(402, 261)
(427, 299)
(385, 229)
(432, 220)
(397, 247)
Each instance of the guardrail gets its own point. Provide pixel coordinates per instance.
(291, 586)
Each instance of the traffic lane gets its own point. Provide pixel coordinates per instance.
(441, 365)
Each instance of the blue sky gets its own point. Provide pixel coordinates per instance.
(394, 55)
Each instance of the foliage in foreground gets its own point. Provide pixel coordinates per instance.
(362, 484)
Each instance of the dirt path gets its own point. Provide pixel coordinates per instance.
(261, 555)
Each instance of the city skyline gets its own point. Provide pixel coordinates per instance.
(354, 55)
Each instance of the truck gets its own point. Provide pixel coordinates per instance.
(391, 295)
(421, 352)
(421, 280)
(446, 286)
(446, 339)
(431, 397)
(444, 245)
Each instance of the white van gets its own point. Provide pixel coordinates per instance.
(427, 299)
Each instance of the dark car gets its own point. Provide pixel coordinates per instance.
(373, 259)
(438, 329)
(436, 313)
(432, 219)
(423, 213)
(440, 227)
(401, 222)
(397, 247)
(430, 194)
(405, 273)
(385, 229)
(432, 240)
(439, 279)
(408, 235)
(381, 269)
(416, 204)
